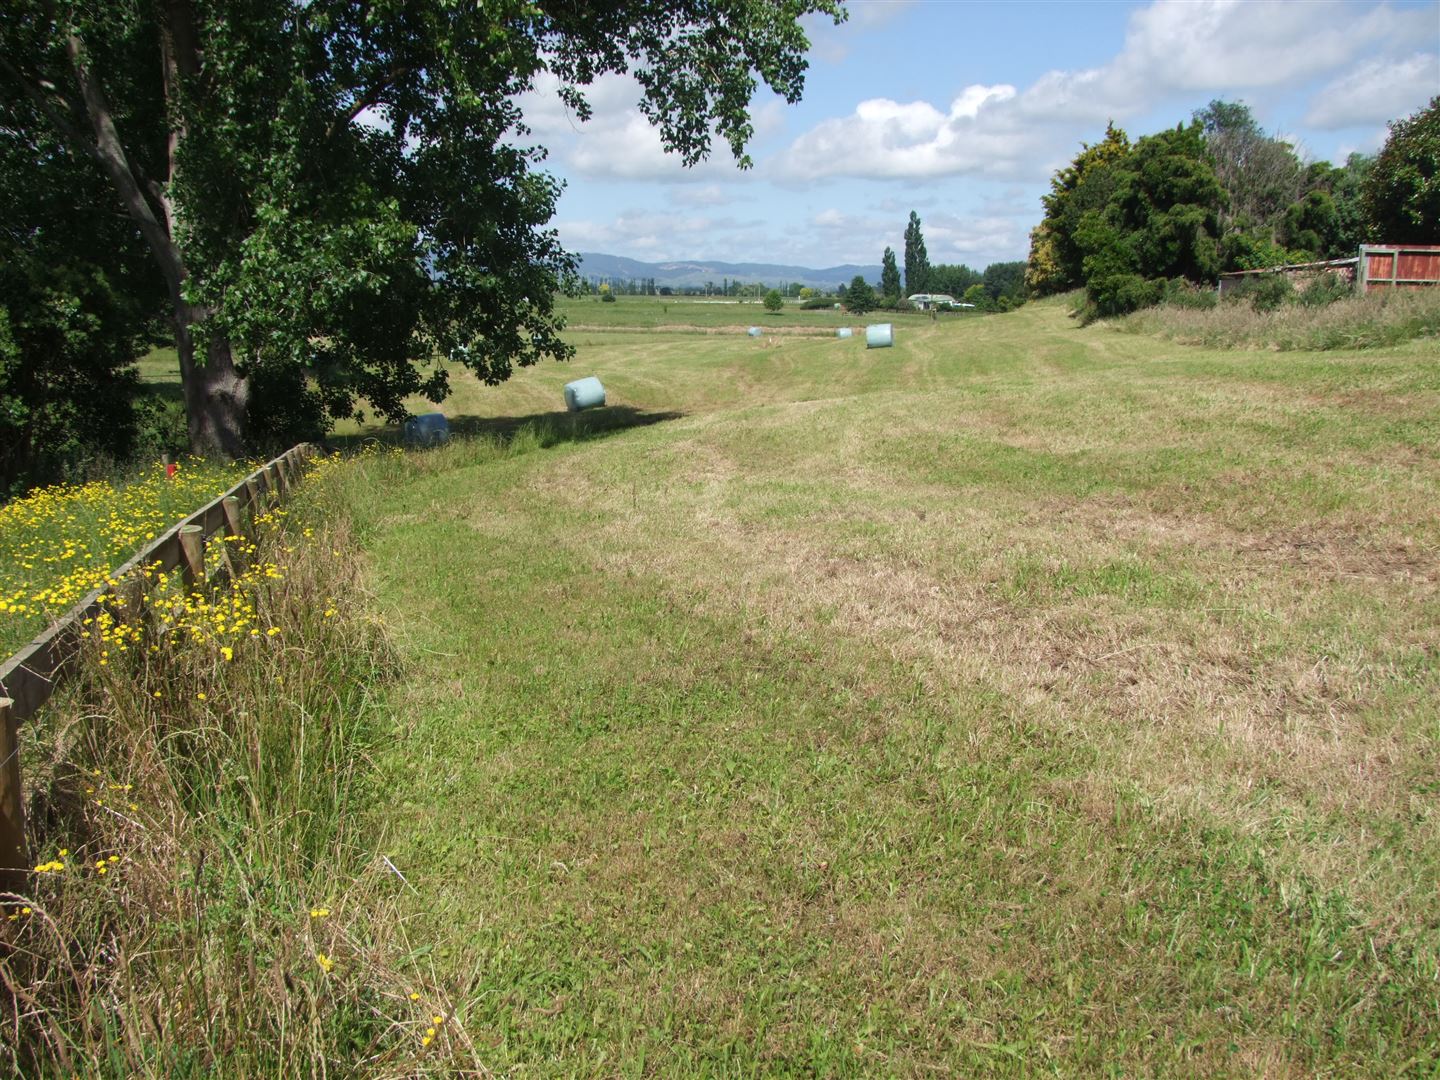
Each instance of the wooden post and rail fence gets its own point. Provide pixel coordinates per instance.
(29, 677)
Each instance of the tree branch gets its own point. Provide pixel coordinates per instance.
(366, 100)
(111, 155)
(47, 104)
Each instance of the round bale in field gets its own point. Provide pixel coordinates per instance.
(429, 429)
(584, 393)
(879, 336)
(754, 331)
(844, 332)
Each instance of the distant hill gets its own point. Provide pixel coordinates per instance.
(594, 264)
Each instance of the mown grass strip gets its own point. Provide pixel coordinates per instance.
(1028, 698)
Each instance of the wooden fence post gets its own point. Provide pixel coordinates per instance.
(130, 593)
(252, 496)
(230, 508)
(233, 551)
(192, 556)
(13, 863)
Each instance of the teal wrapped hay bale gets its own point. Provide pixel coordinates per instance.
(754, 331)
(584, 393)
(844, 332)
(431, 429)
(879, 336)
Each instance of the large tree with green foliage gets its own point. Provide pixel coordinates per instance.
(1160, 220)
(1402, 191)
(77, 295)
(1055, 256)
(1005, 280)
(952, 278)
(339, 195)
(917, 260)
(1261, 175)
(889, 277)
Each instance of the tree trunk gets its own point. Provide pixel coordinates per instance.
(215, 394)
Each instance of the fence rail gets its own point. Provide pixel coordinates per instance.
(31, 676)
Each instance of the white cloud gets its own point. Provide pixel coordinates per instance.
(1174, 50)
(618, 142)
(1376, 92)
(977, 241)
(833, 236)
(890, 139)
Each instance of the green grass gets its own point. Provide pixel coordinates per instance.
(711, 314)
(1019, 699)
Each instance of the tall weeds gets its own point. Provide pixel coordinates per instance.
(208, 897)
(1375, 320)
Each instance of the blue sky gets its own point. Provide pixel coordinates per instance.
(961, 111)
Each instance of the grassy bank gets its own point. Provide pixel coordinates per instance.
(1022, 698)
(1376, 320)
(210, 896)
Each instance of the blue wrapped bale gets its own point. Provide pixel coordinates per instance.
(429, 429)
(879, 336)
(584, 393)
(754, 331)
(844, 332)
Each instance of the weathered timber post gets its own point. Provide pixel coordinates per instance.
(130, 594)
(230, 510)
(13, 862)
(192, 556)
(252, 495)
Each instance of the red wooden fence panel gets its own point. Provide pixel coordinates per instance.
(1399, 266)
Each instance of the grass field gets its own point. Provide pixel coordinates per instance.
(1023, 698)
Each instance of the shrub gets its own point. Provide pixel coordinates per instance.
(1186, 294)
(160, 427)
(817, 303)
(1325, 289)
(1263, 292)
(1120, 294)
(607, 298)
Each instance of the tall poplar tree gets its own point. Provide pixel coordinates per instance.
(889, 277)
(917, 262)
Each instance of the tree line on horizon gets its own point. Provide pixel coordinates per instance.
(999, 287)
(1135, 222)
